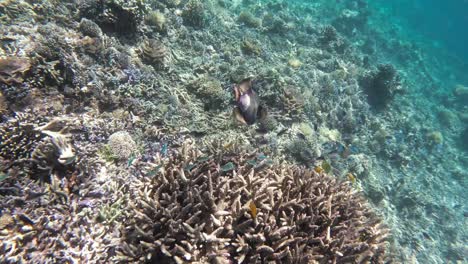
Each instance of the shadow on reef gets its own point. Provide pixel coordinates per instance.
(381, 85)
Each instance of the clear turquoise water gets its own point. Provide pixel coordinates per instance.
(444, 22)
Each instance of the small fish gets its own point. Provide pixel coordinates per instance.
(282, 131)
(253, 209)
(318, 169)
(326, 166)
(163, 150)
(351, 177)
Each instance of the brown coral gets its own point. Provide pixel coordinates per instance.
(236, 208)
(12, 69)
(153, 51)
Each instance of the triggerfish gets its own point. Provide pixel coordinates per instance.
(248, 108)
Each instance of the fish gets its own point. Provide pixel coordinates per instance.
(248, 108)
(253, 209)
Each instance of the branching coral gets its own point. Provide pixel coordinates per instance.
(236, 208)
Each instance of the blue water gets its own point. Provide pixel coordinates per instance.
(444, 22)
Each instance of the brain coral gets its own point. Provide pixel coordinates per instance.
(241, 208)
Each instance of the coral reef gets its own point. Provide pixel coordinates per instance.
(89, 28)
(233, 209)
(381, 85)
(154, 52)
(194, 13)
(12, 69)
(74, 73)
(249, 19)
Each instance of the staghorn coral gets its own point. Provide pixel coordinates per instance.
(153, 51)
(236, 208)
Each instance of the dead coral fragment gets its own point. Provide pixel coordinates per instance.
(12, 69)
(153, 51)
(196, 211)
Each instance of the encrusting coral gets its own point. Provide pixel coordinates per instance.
(240, 207)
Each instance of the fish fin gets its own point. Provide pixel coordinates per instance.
(237, 92)
(245, 85)
(262, 113)
(238, 115)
